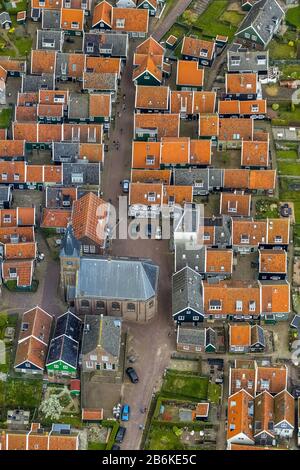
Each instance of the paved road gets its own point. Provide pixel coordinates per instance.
(150, 342)
(167, 22)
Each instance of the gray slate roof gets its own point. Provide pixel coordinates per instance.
(70, 245)
(117, 278)
(31, 83)
(79, 106)
(51, 19)
(115, 42)
(102, 331)
(4, 18)
(90, 173)
(62, 151)
(262, 17)
(184, 256)
(241, 60)
(208, 177)
(5, 192)
(195, 335)
(46, 37)
(187, 291)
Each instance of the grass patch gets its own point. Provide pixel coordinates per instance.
(267, 208)
(164, 438)
(23, 45)
(214, 393)
(5, 118)
(232, 17)
(288, 168)
(288, 114)
(291, 71)
(293, 16)
(96, 446)
(287, 154)
(185, 386)
(279, 50)
(19, 393)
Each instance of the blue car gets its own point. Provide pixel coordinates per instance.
(125, 413)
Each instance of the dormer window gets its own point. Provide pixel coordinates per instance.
(252, 306)
(75, 25)
(254, 108)
(16, 177)
(120, 23)
(278, 239)
(215, 305)
(150, 160)
(203, 52)
(239, 306)
(245, 239)
(4, 176)
(151, 197)
(7, 219)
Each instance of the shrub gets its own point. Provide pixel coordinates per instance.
(275, 106)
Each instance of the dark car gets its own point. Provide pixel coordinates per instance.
(125, 186)
(132, 375)
(115, 447)
(285, 210)
(120, 435)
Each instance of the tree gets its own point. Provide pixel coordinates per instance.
(51, 408)
(275, 106)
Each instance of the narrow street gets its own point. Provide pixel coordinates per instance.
(163, 27)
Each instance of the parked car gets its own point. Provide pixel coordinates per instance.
(125, 413)
(132, 375)
(125, 186)
(115, 447)
(120, 434)
(285, 210)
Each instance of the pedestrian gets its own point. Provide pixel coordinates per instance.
(124, 96)
(121, 131)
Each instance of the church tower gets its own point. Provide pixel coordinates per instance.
(69, 261)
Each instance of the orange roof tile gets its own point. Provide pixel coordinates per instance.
(240, 335)
(262, 179)
(90, 218)
(189, 73)
(273, 377)
(92, 152)
(182, 102)
(91, 133)
(278, 231)
(208, 125)
(200, 48)
(49, 4)
(55, 218)
(51, 202)
(135, 20)
(102, 12)
(43, 61)
(151, 176)
(27, 98)
(152, 97)
(204, 102)
(200, 151)
(35, 174)
(175, 151)
(249, 232)
(272, 261)
(235, 129)
(103, 65)
(235, 297)
(178, 195)
(20, 250)
(148, 64)
(22, 216)
(92, 414)
(24, 234)
(12, 148)
(146, 155)
(11, 172)
(70, 16)
(100, 105)
(275, 297)
(239, 417)
(264, 413)
(243, 377)
(146, 194)
(255, 153)
(53, 96)
(253, 107)
(25, 113)
(229, 107)
(241, 83)
(150, 46)
(25, 131)
(218, 261)
(167, 125)
(236, 179)
(52, 174)
(284, 407)
(235, 204)
(23, 271)
(50, 110)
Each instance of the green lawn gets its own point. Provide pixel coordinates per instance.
(21, 393)
(279, 50)
(297, 212)
(210, 21)
(24, 46)
(287, 154)
(233, 17)
(287, 115)
(163, 438)
(214, 393)
(288, 168)
(96, 446)
(293, 16)
(5, 118)
(185, 386)
(291, 71)
(266, 207)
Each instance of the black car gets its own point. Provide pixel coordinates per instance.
(120, 435)
(116, 447)
(132, 375)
